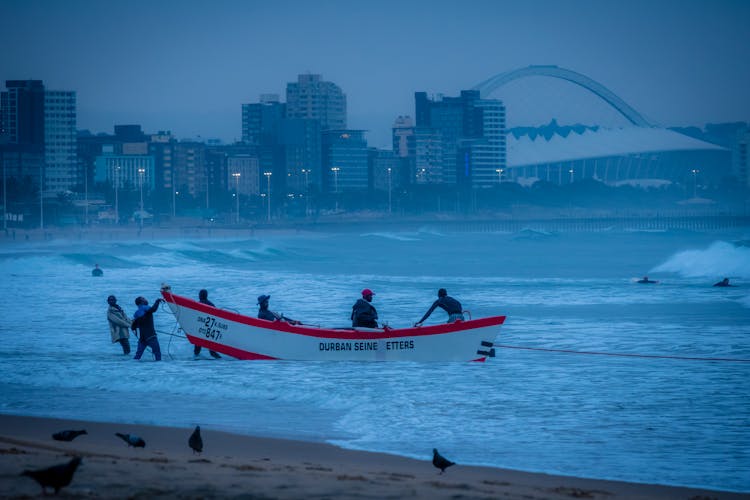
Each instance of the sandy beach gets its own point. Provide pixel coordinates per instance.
(256, 467)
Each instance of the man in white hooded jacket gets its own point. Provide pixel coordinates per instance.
(119, 324)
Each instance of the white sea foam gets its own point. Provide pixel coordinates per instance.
(394, 236)
(719, 260)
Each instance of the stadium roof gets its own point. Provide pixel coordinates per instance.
(601, 143)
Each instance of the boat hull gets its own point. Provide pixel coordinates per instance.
(245, 337)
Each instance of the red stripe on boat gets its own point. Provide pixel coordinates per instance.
(225, 349)
(347, 334)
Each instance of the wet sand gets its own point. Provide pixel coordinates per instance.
(256, 467)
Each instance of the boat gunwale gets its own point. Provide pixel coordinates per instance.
(350, 333)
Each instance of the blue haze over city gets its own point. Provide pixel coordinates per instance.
(538, 160)
(285, 104)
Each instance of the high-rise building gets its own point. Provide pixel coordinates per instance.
(301, 140)
(405, 149)
(190, 169)
(125, 171)
(345, 160)
(22, 131)
(60, 150)
(243, 175)
(487, 150)
(472, 137)
(428, 156)
(403, 136)
(261, 128)
(261, 120)
(741, 157)
(162, 147)
(384, 168)
(36, 120)
(312, 98)
(22, 112)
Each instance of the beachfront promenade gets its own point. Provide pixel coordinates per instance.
(197, 228)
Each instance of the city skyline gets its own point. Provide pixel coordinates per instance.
(189, 66)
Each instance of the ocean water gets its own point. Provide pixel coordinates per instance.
(597, 375)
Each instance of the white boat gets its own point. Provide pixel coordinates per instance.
(245, 337)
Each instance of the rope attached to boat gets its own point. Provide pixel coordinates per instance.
(176, 329)
(626, 355)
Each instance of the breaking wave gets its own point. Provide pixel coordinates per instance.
(719, 260)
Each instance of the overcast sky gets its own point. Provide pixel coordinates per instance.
(188, 66)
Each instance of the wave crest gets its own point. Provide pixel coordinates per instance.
(719, 260)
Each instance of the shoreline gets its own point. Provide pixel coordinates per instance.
(544, 221)
(234, 465)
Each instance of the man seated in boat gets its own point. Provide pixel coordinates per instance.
(448, 304)
(364, 313)
(267, 314)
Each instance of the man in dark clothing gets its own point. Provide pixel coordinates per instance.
(203, 299)
(447, 303)
(143, 320)
(268, 315)
(363, 312)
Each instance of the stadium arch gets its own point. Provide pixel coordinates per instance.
(489, 85)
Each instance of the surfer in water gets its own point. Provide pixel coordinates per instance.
(646, 280)
(97, 271)
(722, 283)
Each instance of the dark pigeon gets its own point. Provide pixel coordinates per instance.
(440, 461)
(195, 441)
(67, 435)
(57, 476)
(132, 440)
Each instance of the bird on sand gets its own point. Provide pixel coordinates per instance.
(195, 441)
(440, 461)
(132, 440)
(57, 476)
(67, 435)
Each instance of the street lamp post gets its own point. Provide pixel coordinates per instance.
(5, 203)
(41, 197)
(236, 176)
(174, 193)
(695, 182)
(335, 171)
(499, 175)
(268, 189)
(571, 171)
(389, 189)
(117, 195)
(141, 171)
(306, 171)
(86, 195)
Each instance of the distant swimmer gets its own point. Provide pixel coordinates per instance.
(646, 280)
(724, 282)
(97, 271)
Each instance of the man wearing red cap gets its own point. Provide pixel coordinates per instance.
(363, 312)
